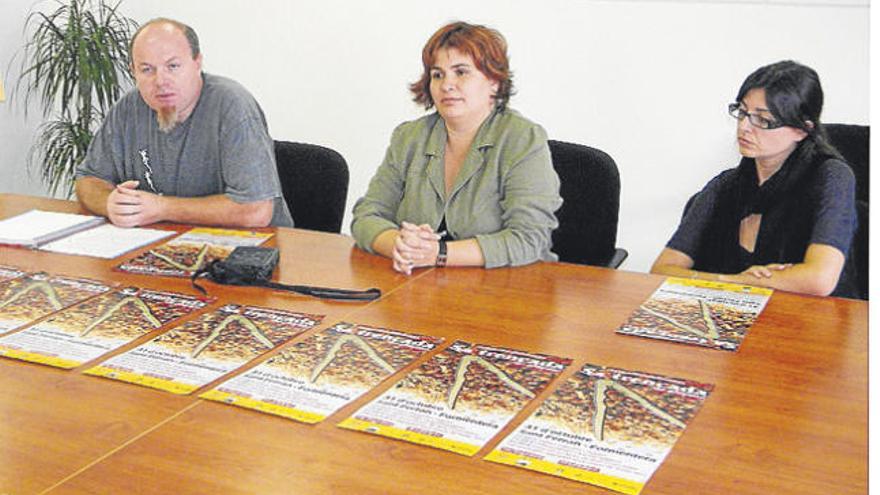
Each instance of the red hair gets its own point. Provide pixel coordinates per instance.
(484, 45)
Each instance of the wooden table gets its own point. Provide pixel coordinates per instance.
(788, 413)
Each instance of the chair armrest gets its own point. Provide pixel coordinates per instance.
(620, 254)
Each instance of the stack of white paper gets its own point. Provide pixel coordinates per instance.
(107, 241)
(36, 227)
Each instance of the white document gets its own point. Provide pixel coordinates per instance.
(36, 227)
(107, 241)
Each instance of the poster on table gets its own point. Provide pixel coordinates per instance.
(193, 250)
(460, 398)
(604, 426)
(312, 379)
(97, 326)
(26, 299)
(8, 273)
(203, 349)
(698, 312)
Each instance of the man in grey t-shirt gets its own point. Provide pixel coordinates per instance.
(184, 147)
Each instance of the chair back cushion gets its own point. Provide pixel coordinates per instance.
(859, 250)
(314, 180)
(853, 142)
(590, 190)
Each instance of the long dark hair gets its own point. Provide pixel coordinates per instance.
(794, 97)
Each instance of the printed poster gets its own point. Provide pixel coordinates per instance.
(203, 349)
(604, 426)
(31, 297)
(97, 326)
(195, 249)
(312, 379)
(8, 273)
(459, 399)
(698, 312)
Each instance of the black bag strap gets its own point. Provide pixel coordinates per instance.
(328, 293)
(370, 294)
(204, 270)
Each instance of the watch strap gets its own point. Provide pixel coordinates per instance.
(441, 254)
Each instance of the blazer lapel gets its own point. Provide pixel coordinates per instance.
(434, 154)
(472, 164)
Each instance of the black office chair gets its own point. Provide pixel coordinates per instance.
(853, 142)
(590, 190)
(314, 180)
(858, 256)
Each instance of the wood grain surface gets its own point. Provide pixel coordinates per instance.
(788, 413)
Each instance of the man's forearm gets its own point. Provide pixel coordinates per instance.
(92, 194)
(217, 210)
(132, 207)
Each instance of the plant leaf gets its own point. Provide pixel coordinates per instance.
(75, 63)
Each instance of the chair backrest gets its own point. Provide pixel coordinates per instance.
(853, 142)
(590, 190)
(314, 180)
(859, 250)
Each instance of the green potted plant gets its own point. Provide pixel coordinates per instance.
(75, 62)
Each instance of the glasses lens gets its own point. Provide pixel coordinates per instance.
(759, 121)
(773, 124)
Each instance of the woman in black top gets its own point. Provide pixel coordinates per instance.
(785, 217)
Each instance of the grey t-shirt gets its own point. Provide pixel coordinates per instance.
(222, 148)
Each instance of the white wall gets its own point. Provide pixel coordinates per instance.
(646, 81)
(16, 132)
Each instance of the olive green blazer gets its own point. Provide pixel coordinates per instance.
(505, 194)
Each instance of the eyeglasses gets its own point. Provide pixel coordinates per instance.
(756, 120)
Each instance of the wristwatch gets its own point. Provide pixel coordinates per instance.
(441, 255)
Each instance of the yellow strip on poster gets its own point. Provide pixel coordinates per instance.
(39, 358)
(410, 436)
(229, 232)
(617, 484)
(708, 284)
(257, 405)
(147, 381)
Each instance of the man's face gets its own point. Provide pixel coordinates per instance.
(168, 78)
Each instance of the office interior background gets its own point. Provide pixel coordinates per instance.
(647, 81)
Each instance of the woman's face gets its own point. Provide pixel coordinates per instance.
(769, 147)
(461, 93)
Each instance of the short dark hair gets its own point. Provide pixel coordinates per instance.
(486, 46)
(795, 98)
(191, 37)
